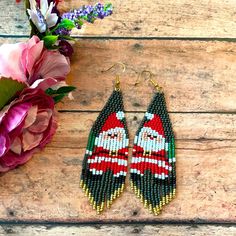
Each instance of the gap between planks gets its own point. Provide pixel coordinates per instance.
(117, 229)
(101, 37)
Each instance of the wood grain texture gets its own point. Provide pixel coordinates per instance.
(145, 18)
(118, 230)
(47, 188)
(196, 76)
(74, 128)
(198, 80)
(201, 77)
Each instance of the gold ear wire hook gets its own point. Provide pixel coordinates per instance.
(117, 83)
(155, 84)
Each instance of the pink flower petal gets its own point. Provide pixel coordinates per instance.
(11, 160)
(31, 116)
(44, 83)
(15, 116)
(41, 122)
(31, 55)
(52, 65)
(10, 65)
(16, 146)
(3, 112)
(4, 143)
(49, 133)
(31, 140)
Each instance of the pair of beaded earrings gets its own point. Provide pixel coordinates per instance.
(152, 168)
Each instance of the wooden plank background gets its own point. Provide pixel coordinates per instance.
(145, 18)
(189, 45)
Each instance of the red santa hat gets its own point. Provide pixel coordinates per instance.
(113, 121)
(154, 123)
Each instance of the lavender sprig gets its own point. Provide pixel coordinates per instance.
(85, 13)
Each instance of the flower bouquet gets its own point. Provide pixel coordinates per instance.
(33, 78)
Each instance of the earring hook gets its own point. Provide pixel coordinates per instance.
(115, 64)
(117, 83)
(154, 83)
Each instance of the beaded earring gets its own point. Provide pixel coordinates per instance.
(152, 169)
(105, 162)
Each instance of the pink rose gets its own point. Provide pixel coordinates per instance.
(26, 125)
(33, 64)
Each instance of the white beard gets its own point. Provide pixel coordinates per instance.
(112, 139)
(150, 140)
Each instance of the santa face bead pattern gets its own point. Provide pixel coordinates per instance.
(152, 169)
(105, 161)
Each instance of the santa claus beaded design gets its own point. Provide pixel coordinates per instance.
(152, 170)
(110, 152)
(150, 147)
(105, 163)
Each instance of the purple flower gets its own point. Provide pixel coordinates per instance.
(88, 13)
(102, 11)
(65, 48)
(62, 31)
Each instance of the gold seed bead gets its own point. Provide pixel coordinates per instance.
(94, 206)
(81, 183)
(163, 200)
(174, 193)
(141, 198)
(167, 200)
(139, 192)
(145, 203)
(150, 207)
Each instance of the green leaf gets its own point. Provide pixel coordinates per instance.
(107, 6)
(60, 93)
(80, 22)
(50, 40)
(66, 37)
(66, 89)
(67, 24)
(59, 97)
(50, 91)
(8, 90)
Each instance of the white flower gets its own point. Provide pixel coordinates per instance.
(42, 17)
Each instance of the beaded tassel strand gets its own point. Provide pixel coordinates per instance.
(105, 162)
(153, 177)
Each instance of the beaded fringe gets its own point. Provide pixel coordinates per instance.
(105, 162)
(152, 173)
